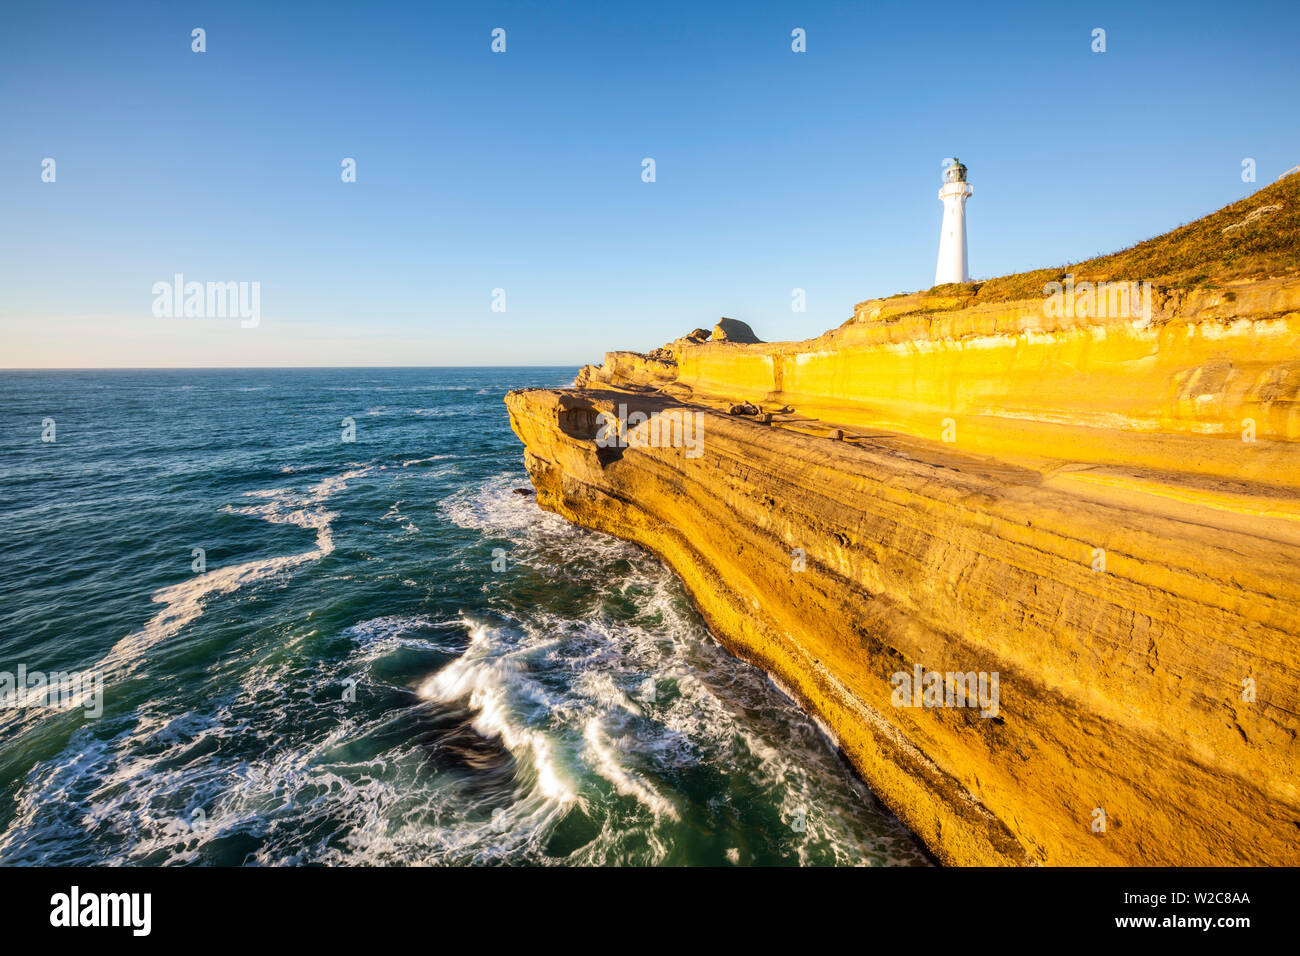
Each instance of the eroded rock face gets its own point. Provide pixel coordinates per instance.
(1119, 689)
(1104, 512)
(631, 368)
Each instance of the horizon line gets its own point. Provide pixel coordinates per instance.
(250, 368)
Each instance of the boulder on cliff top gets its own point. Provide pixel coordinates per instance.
(733, 330)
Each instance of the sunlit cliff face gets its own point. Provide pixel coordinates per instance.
(1100, 507)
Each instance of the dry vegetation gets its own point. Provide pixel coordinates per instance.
(1246, 240)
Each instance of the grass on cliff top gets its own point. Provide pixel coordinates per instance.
(1241, 241)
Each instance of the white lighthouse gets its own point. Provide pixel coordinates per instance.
(952, 238)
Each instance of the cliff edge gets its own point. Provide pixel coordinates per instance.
(1073, 495)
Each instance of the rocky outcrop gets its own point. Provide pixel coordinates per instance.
(1101, 510)
(733, 330)
(630, 368)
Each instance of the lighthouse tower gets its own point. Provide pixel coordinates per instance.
(952, 238)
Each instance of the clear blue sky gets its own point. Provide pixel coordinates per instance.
(522, 170)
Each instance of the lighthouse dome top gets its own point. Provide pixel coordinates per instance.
(954, 171)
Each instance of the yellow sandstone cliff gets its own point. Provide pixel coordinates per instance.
(1098, 501)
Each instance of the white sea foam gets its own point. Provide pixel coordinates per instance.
(380, 636)
(182, 603)
(562, 691)
(495, 681)
(630, 784)
(630, 742)
(493, 507)
(733, 714)
(394, 514)
(424, 461)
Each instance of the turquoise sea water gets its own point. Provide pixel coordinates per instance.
(388, 656)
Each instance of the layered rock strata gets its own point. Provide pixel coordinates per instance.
(1102, 510)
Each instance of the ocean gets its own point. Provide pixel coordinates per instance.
(316, 650)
